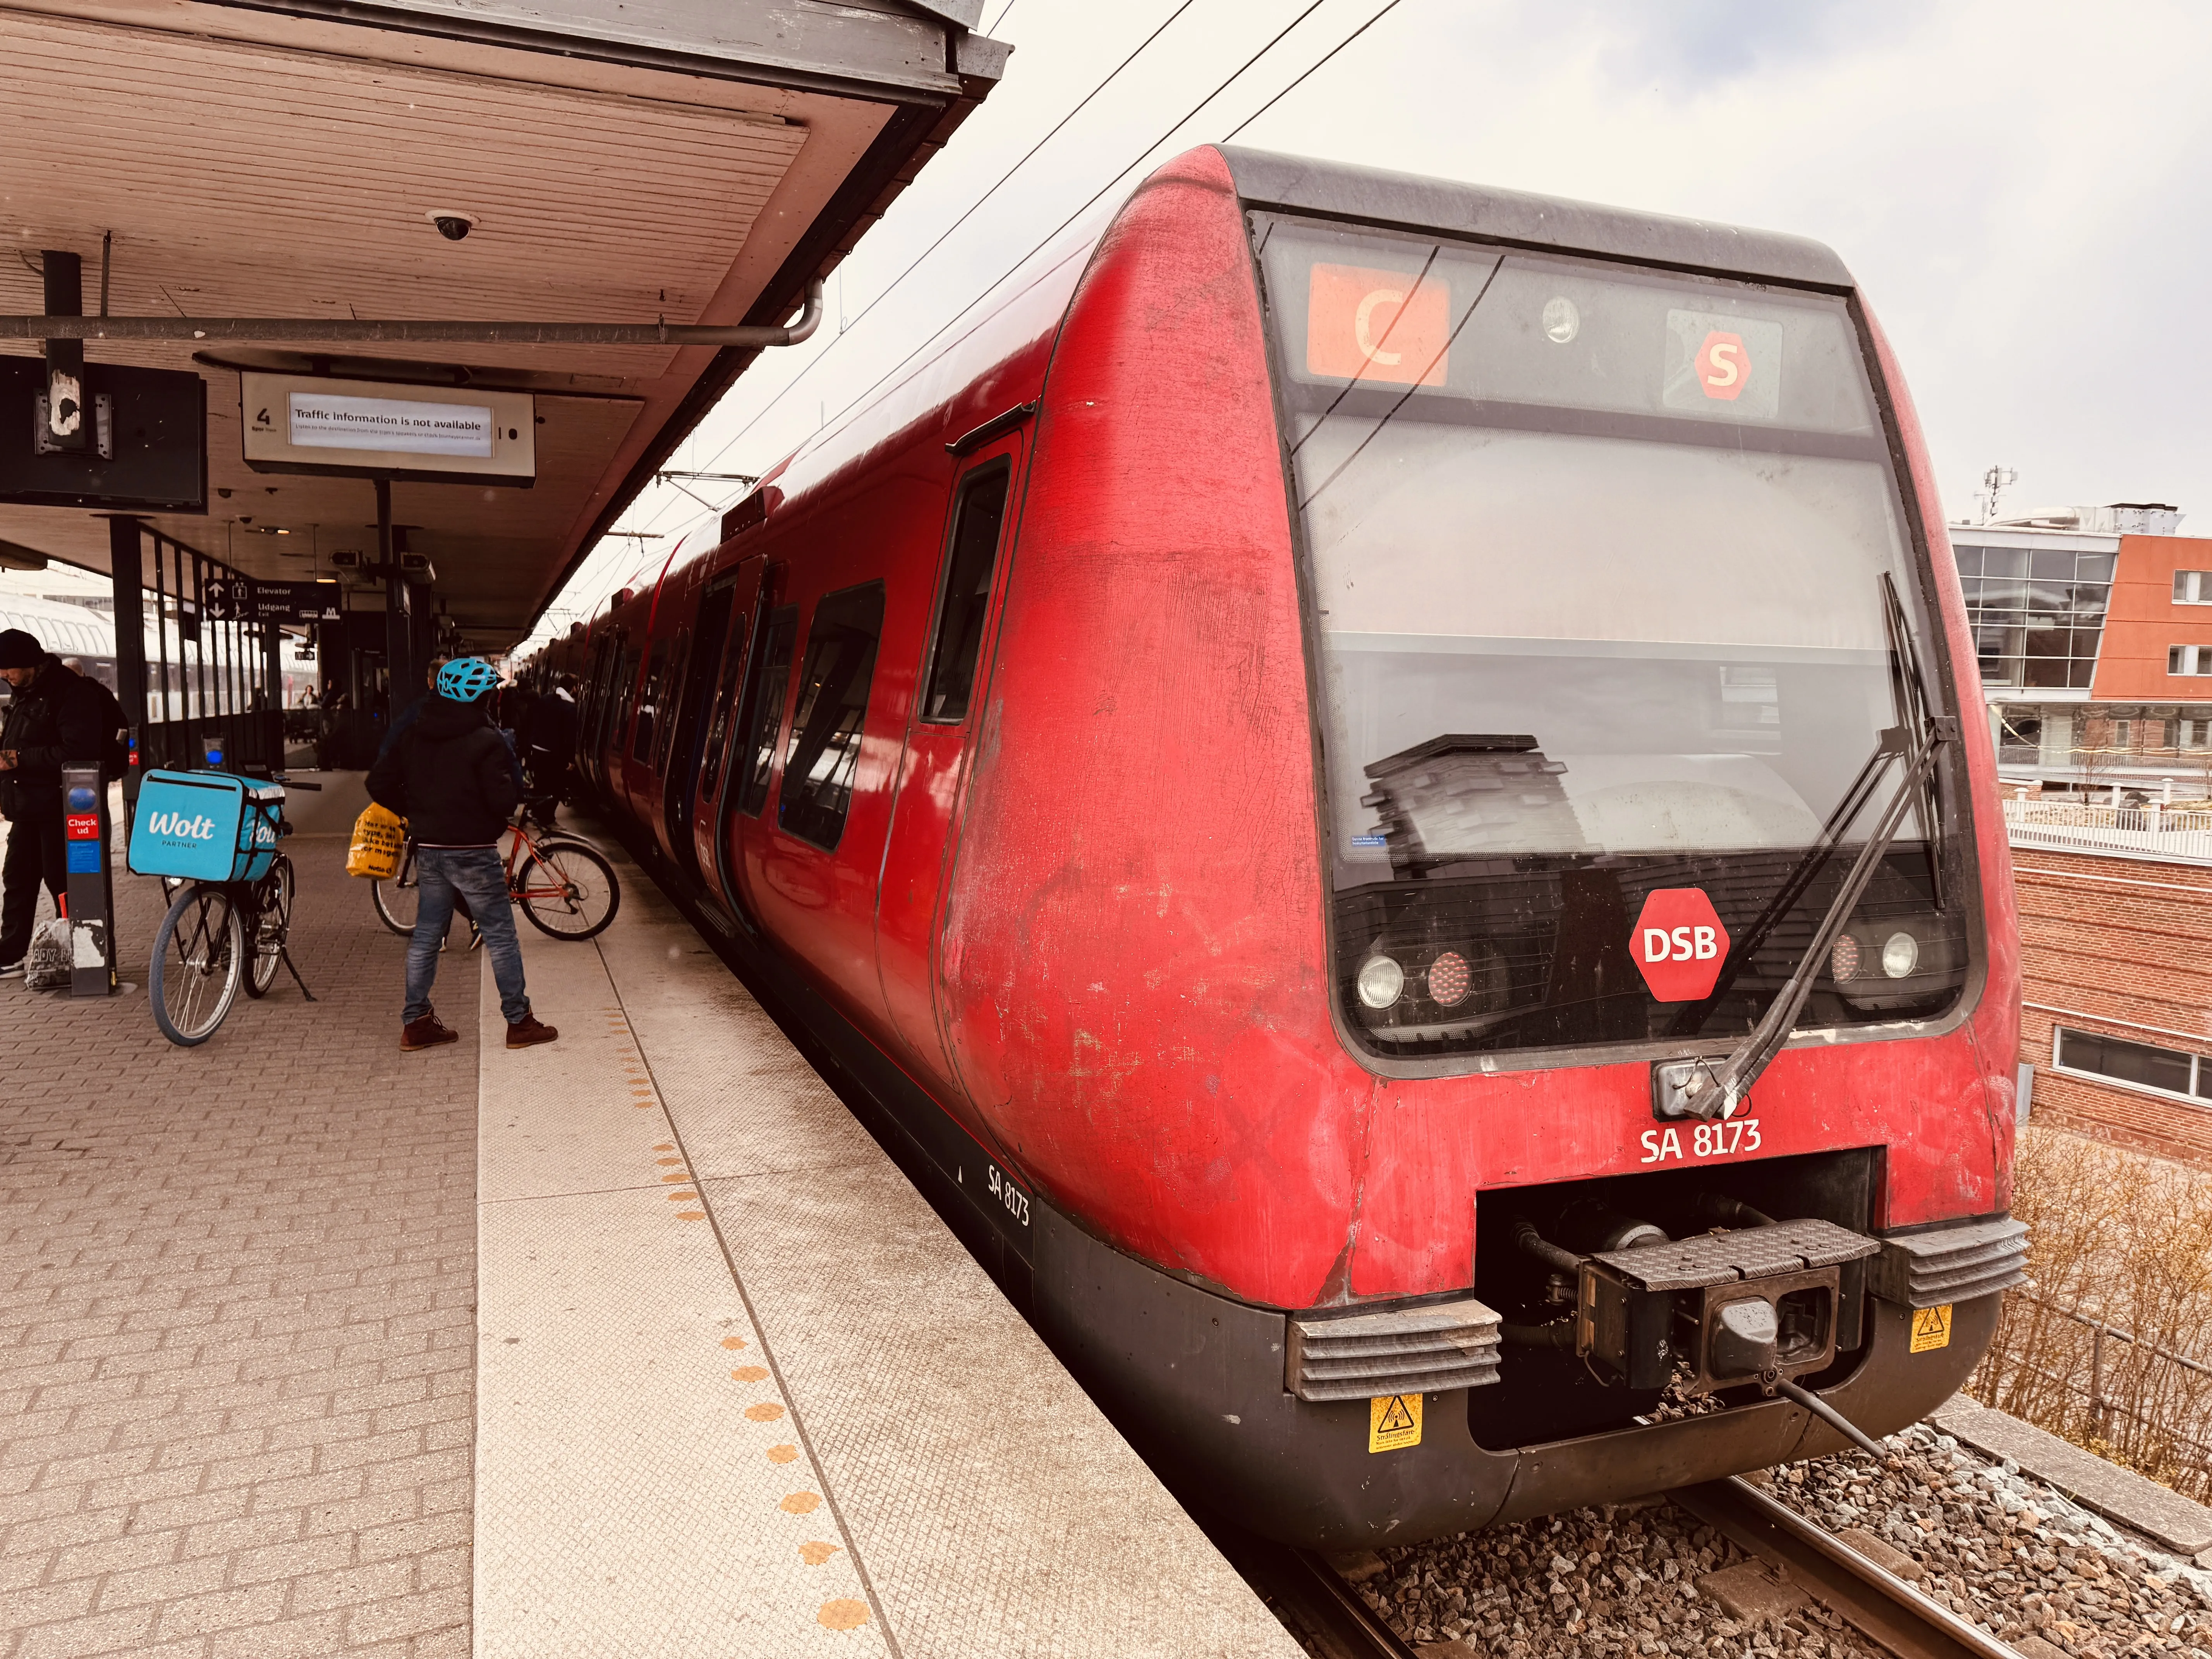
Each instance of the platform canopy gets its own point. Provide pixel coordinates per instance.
(685, 161)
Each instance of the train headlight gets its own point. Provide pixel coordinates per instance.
(1379, 981)
(1900, 955)
(1843, 958)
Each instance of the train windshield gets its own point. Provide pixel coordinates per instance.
(1603, 567)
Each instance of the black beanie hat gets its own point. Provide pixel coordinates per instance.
(20, 650)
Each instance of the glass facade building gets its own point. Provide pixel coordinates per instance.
(2037, 613)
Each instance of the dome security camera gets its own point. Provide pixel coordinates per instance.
(454, 227)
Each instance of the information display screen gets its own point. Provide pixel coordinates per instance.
(305, 423)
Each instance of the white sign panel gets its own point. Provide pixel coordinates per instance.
(322, 420)
(371, 429)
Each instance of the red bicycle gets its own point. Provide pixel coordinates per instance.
(564, 884)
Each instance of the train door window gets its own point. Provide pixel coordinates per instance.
(725, 699)
(765, 685)
(969, 566)
(833, 705)
(673, 677)
(640, 736)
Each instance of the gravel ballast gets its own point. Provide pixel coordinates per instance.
(1995, 1546)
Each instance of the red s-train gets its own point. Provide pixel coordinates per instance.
(1308, 758)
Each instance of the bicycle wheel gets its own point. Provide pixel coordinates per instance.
(398, 899)
(273, 925)
(197, 962)
(567, 890)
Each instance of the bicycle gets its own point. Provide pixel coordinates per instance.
(190, 823)
(560, 882)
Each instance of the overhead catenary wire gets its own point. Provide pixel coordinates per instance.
(1090, 201)
(1196, 109)
(846, 323)
(1387, 7)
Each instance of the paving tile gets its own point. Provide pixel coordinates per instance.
(80, 1638)
(211, 1296)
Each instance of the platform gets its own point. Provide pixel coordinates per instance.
(735, 1389)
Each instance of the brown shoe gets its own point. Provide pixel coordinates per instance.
(529, 1030)
(426, 1032)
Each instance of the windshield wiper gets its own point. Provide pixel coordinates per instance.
(1908, 697)
(1699, 1088)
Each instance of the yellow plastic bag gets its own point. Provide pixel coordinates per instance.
(378, 836)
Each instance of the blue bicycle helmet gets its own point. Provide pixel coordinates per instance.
(466, 678)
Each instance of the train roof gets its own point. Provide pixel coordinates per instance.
(1296, 183)
(969, 345)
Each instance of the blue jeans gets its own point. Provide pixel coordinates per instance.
(476, 873)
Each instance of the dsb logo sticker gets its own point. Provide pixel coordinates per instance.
(1679, 944)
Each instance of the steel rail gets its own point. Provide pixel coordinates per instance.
(1876, 1601)
(1305, 1593)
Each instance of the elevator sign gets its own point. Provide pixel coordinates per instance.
(1679, 944)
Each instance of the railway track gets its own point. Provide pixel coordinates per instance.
(1874, 1601)
(1329, 1617)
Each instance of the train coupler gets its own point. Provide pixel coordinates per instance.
(1748, 1305)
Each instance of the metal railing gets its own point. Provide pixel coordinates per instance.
(2155, 831)
(2147, 1409)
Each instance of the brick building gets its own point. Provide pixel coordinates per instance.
(2117, 998)
(2093, 627)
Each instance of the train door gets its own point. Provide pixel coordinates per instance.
(688, 745)
(753, 745)
(718, 765)
(814, 857)
(924, 806)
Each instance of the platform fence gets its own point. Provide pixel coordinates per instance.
(2155, 831)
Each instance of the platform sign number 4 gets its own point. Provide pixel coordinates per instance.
(1931, 1328)
(1393, 1421)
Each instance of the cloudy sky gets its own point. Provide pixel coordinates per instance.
(2022, 189)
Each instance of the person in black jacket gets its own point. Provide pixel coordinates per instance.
(549, 745)
(451, 775)
(54, 719)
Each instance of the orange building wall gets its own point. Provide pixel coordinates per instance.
(2144, 621)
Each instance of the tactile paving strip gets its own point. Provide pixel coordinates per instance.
(995, 1510)
(643, 1484)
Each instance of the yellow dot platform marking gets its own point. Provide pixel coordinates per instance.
(735, 1342)
(843, 1613)
(767, 1411)
(783, 1453)
(815, 1554)
(1394, 1422)
(801, 1503)
(749, 1374)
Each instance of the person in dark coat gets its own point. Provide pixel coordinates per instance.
(549, 745)
(413, 710)
(451, 775)
(54, 719)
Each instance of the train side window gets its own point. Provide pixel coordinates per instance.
(765, 685)
(640, 736)
(969, 566)
(833, 705)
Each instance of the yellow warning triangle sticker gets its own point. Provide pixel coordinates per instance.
(1393, 1421)
(1931, 1328)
